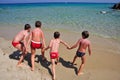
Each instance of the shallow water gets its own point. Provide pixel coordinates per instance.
(73, 17)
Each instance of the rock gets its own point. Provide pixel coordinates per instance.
(103, 12)
(116, 6)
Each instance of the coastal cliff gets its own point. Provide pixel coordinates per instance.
(116, 6)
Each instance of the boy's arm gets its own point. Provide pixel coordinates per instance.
(49, 46)
(25, 41)
(75, 45)
(65, 44)
(29, 40)
(89, 48)
(43, 40)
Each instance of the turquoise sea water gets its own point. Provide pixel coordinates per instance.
(73, 17)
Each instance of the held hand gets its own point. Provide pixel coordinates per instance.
(27, 49)
(69, 48)
(46, 48)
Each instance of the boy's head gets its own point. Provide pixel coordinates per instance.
(27, 27)
(38, 24)
(85, 34)
(56, 35)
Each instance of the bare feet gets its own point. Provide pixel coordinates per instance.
(19, 64)
(56, 62)
(80, 73)
(53, 78)
(32, 69)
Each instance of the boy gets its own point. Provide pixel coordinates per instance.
(37, 42)
(83, 43)
(20, 42)
(54, 46)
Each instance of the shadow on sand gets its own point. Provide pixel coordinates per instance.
(67, 64)
(16, 55)
(45, 63)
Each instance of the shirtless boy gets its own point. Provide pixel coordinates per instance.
(83, 43)
(54, 46)
(37, 42)
(20, 42)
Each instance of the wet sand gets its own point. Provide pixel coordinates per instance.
(103, 64)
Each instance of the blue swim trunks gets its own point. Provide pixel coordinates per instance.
(80, 54)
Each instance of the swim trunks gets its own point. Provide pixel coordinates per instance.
(54, 55)
(15, 43)
(36, 44)
(80, 54)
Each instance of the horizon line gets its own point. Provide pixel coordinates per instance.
(53, 2)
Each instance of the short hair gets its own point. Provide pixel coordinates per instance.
(56, 34)
(85, 34)
(38, 24)
(27, 26)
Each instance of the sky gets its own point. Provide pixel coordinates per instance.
(34, 1)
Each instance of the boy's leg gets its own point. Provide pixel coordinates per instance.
(21, 48)
(43, 56)
(32, 59)
(53, 68)
(57, 60)
(75, 57)
(81, 66)
(21, 59)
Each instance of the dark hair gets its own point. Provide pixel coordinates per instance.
(56, 34)
(38, 24)
(85, 34)
(27, 26)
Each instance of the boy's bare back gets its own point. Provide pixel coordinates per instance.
(37, 34)
(83, 44)
(20, 36)
(54, 45)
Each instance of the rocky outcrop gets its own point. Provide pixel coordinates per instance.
(116, 6)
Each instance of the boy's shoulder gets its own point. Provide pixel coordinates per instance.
(55, 39)
(85, 40)
(80, 39)
(36, 29)
(88, 41)
(23, 31)
(52, 40)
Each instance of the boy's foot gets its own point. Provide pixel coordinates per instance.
(81, 73)
(53, 78)
(32, 69)
(56, 62)
(19, 64)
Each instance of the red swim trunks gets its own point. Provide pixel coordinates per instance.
(36, 44)
(15, 43)
(54, 55)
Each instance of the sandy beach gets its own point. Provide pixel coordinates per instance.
(103, 64)
(70, 20)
